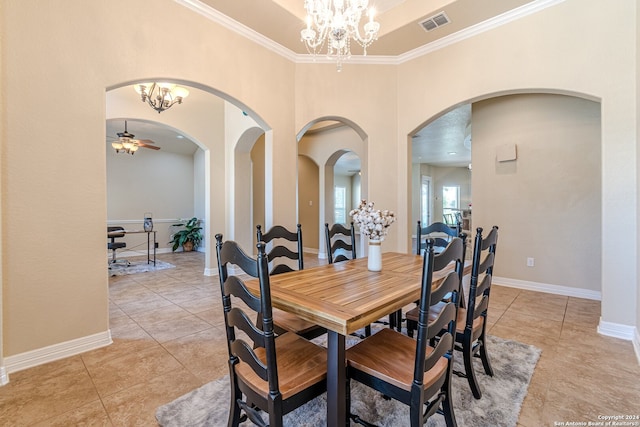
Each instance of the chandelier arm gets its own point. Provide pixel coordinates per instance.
(336, 22)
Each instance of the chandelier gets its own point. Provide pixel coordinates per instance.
(161, 96)
(336, 22)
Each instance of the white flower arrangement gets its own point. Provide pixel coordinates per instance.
(372, 222)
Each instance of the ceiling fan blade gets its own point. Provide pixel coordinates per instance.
(146, 141)
(142, 144)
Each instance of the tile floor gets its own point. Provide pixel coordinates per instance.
(168, 335)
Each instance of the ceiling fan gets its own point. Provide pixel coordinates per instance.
(127, 144)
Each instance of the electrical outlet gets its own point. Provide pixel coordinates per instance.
(530, 262)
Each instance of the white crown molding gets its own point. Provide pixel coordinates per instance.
(479, 28)
(233, 25)
(495, 22)
(356, 59)
(548, 288)
(54, 352)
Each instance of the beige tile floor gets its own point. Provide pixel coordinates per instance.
(168, 335)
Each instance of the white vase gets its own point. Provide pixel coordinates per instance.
(374, 262)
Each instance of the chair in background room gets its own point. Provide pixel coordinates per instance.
(266, 370)
(472, 320)
(114, 233)
(340, 241)
(277, 236)
(449, 219)
(411, 371)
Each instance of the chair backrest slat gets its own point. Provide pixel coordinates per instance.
(340, 242)
(436, 227)
(276, 236)
(245, 353)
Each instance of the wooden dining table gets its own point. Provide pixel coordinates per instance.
(344, 297)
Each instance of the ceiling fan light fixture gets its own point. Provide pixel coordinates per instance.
(161, 95)
(126, 142)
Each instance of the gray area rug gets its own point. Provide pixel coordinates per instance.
(513, 364)
(137, 267)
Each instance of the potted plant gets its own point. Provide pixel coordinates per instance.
(189, 237)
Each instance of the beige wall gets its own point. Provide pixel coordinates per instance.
(586, 48)
(107, 46)
(150, 181)
(309, 202)
(257, 162)
(547, 202)
(557, 51)
(324, 148)
(637, 160)
(361, 94)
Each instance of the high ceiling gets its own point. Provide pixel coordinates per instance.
(400, 31)
(445, 141)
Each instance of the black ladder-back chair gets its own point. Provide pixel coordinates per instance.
(439, 242)
(413, 314)
(276, 375)
(408, 370)
(337, 245)
(277, 235)
(280, 251)
(339, 248)
(436, 227)
(471, 334)
(113, 246)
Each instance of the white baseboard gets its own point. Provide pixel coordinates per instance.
(129, 254)
(54, 352)
(616, 330)
(4, 377)
(210, 271)
(548, 288)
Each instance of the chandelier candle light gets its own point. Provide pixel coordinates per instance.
(161, 96)
(336, 22)
(374, 224)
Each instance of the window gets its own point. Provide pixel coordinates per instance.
(340, 205)
(425, 201)
(450, 203)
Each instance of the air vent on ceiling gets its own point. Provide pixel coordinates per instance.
(435, 21)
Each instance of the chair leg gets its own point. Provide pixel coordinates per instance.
(411, 326)
(234, 409)
(484, 356)
(395, 320)
(467, 355)
(347, 403)
(447, 405)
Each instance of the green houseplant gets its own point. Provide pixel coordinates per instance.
(188, 237)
